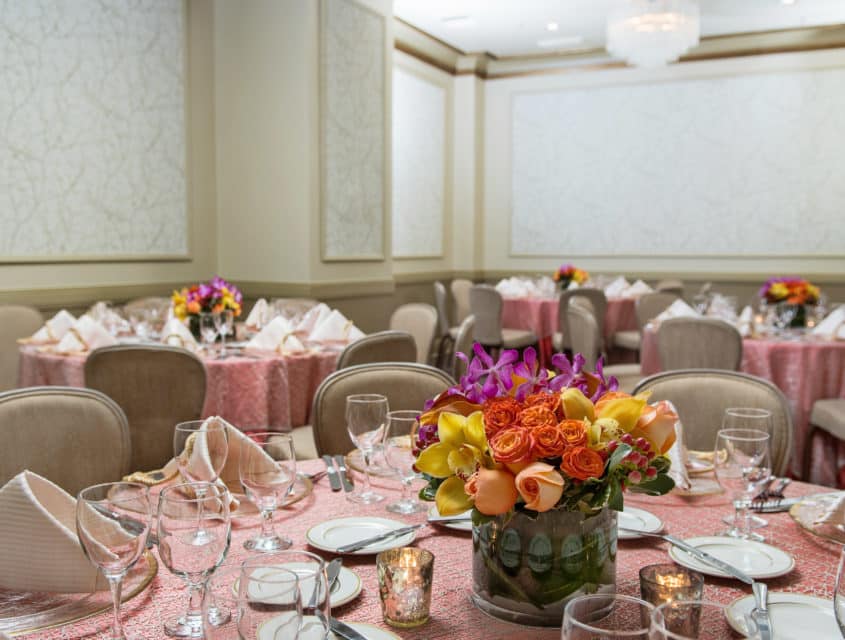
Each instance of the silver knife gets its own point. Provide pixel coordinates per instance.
(344, 473)
(393, 533)
(760, 612)
(344, 630)
(334, 481)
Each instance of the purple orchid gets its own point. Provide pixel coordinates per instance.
(536, 377)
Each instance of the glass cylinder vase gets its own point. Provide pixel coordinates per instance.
(526, 566)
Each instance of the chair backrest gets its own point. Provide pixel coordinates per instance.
(584, 336)
(702, 395)
(698, 343)
(594, 300)
(16, 322)
(157, 387)
(463, 344)
(407, 385)
(486, 305)
(651, 305)
(382, 346)
(670, 285)
(71, 436)
(440, 297)
(420, 320)
(460, 292)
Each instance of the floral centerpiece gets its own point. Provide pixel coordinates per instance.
(568, 273)
(543, 461)
(206, 297)
(791, 291)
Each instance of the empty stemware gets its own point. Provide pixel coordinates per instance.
(742, 464)
(399, 455)
(269, 603)
(366, 419)
(208, 331)
(224, 321)
(696, 620)
(606, 617)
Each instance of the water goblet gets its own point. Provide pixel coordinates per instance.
(784, 315)
(221, 595)
(208, 331)
(112, 522)
(399, 455)
(224, 322)
(366, 419)
(267, 482)
(696, 620)
(606, 617)
(182, 515)
(741, 461)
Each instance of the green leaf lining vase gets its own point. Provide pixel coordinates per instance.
(526, 566)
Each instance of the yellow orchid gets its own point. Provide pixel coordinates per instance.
(577, 406)
(180, 303)
(626, 411)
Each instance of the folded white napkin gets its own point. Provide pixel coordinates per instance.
(176, 334)
(86, 334)
(277, 336)
(55, 328)
(336, 328)
(637, 289)
(40, 549)
(833, 326)
(546, 287)
(312, 318)
(259, 316)
(572, 285)
(616, 288)
(745, 322)
(834, 514)
(515, 288)
(678, 309)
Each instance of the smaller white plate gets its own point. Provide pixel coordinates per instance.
(311, 630)
(794, 616)
(637, 520)
(345, 589)
(329, 535)
(457, 526)
(756, 559)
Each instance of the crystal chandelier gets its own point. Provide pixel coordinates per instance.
(652, 33)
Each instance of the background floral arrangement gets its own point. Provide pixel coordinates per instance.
(207, 297)
(792, 290)
(567, 273)
(511, 435)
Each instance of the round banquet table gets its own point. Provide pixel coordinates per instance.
(452, 614)
(806, 371)
(273, 391)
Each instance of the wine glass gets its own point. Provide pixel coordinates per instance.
(112, 522)
(269, 603)
(185, 510)
(398, 452)
(606, 617)
(366, 419)
(742, 464)
(784, 315)
(267, 482)
(839, 593)
(696, 620)
(208, 331)
(224, 322)
(313, 585)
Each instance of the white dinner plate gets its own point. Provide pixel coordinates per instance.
(637, 520)
(345, 589)
(794, 616)
(311, 630)
(756, 559)
(465, 525)
(329, 535)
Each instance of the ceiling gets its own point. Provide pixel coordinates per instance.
(506, 28)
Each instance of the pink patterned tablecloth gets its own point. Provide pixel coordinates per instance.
(806, 371)
(540, 315)
(452, 614)
(273, 391)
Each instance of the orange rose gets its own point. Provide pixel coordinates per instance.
(548, 441)
(582, 463)
(540, 485)
(512, 445)
(493, 491)
(500, 413)
(573, 432)
(537, 416)
(657, 425)
(194, 307)
(549, 400)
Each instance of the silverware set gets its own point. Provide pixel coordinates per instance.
(772, 500)
(339, 476)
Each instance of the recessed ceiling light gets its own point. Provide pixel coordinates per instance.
(560, 43)
(458, 22)
(552, 26)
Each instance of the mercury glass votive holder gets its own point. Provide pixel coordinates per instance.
(404, 580)
(668, 582)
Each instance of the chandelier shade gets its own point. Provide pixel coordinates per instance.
(652, 33)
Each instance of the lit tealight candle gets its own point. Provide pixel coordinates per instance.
(661, 583)
(404, 577)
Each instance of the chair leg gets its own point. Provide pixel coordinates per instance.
(808, 453)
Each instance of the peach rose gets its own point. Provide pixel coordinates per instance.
(512, 445)
(537, 416)
(657, 425)
(493, 491)
(582, 463)
(548, 441)
(500, 413)
(549, 400)
(540, 485)
(574, 432)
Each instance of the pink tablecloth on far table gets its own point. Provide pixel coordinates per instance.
(806, 371)
(540, 315)
(453, 617)
(273, 391)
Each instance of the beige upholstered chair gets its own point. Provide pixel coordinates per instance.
(446, 333)
(157, 387)
(670, 285)
(648, 307)
(420, 320)
(827, 416)
(460, 292)
(593, 300)
(383, 346)
(702, 395)
(407, 385)
(698, 343)
(73, 437)
(15, 322)
(486, 305)
(463, 344)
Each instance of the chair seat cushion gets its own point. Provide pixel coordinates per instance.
(517, 338)
(627, 340)
(830, 416)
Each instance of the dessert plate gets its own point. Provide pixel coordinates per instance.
(329, 535)
(794, 616)
(465, 525)
(637, 520)
(756, 559)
